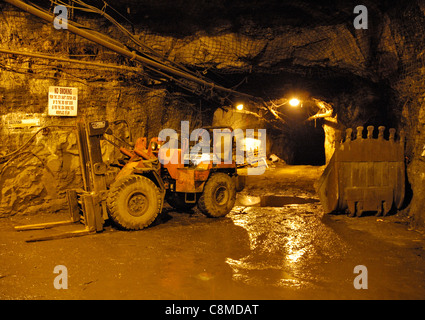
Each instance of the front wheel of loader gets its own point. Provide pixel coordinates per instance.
(134, 202)
(219, 196)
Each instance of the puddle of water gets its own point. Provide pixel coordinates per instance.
(271, 201)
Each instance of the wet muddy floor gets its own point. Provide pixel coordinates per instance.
(275, 244)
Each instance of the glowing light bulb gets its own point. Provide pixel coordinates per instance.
(294, 102)
(239, 107)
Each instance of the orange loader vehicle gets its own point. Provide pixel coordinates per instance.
(135, 196)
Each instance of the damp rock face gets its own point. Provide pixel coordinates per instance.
(415, 157)
(35, 179)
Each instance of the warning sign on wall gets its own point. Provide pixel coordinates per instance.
(63, 101)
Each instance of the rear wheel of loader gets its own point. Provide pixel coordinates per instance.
(134, 202)
(219, 196)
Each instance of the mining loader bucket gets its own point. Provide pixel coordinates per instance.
(364, 174)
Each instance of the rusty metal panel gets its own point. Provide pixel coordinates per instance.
(185, 181)
(364, 174)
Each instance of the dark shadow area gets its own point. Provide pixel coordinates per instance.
(309, 146)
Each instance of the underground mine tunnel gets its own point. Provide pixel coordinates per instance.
(323, 102)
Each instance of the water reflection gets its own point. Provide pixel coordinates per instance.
(272, 200)
(287, 245)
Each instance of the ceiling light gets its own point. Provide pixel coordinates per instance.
(294, 102)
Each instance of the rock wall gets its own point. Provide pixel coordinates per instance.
(409, 28)
(412, 89)
(35, 178)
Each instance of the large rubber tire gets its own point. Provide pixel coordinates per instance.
(219, 196)
(176, 200)
(134, 202)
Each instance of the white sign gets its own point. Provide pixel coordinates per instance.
(63, 101)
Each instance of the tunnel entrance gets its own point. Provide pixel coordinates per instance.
(301, 142)
(290, 134)
(309, 145)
